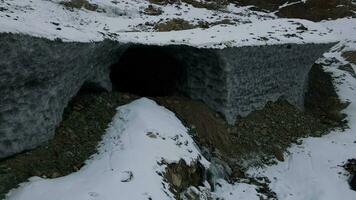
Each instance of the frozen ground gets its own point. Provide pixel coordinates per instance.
(122, 20)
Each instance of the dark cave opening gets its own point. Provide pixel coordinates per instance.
(147, 71)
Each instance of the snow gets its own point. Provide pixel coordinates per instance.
(314, 169)
(141, 135)
(123, 21)
(344, 28)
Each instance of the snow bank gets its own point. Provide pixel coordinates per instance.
(127, 165)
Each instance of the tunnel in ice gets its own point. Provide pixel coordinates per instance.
(147, 71)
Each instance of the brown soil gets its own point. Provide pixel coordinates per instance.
(78, 4)
(209, 4)
(255, 139)
(315, 10)
(175, 24)
(350, 56)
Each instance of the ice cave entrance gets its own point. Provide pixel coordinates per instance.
(147, 71)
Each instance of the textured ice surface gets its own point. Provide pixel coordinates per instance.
(39, 77)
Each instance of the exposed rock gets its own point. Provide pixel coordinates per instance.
(78, 4)
(193, 193)
(210, 5)
(173, 25)
(181, 176)
(164, 2)
(152, 10)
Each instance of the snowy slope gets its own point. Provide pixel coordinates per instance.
(140, 137)
(123, 21)
(313, 170)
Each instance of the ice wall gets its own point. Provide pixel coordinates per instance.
(38, 77)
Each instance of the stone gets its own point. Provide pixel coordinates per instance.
(181, 176)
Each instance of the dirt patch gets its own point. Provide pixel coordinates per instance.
(350, 56)
(78, 4)
(84, 122)
(175, 24)
(254, 140)
(164, 2)
(315, 10)
(152, 10)
(208, 4)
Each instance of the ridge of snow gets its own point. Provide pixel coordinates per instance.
(120, 22)
(127, 165)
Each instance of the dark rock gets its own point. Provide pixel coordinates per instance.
(152, 10)
(181, 176)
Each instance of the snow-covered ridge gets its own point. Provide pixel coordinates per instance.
(129, 160)
(121, 20)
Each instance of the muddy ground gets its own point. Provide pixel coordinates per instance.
(259, 138)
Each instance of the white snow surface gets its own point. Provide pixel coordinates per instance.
(124, 21)
(313, 170)
(141, 135)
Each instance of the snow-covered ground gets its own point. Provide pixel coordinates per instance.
(129, 160)
(143, 134)
(120, 21)
(314, 169)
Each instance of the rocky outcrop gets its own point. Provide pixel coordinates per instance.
(38, 77)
